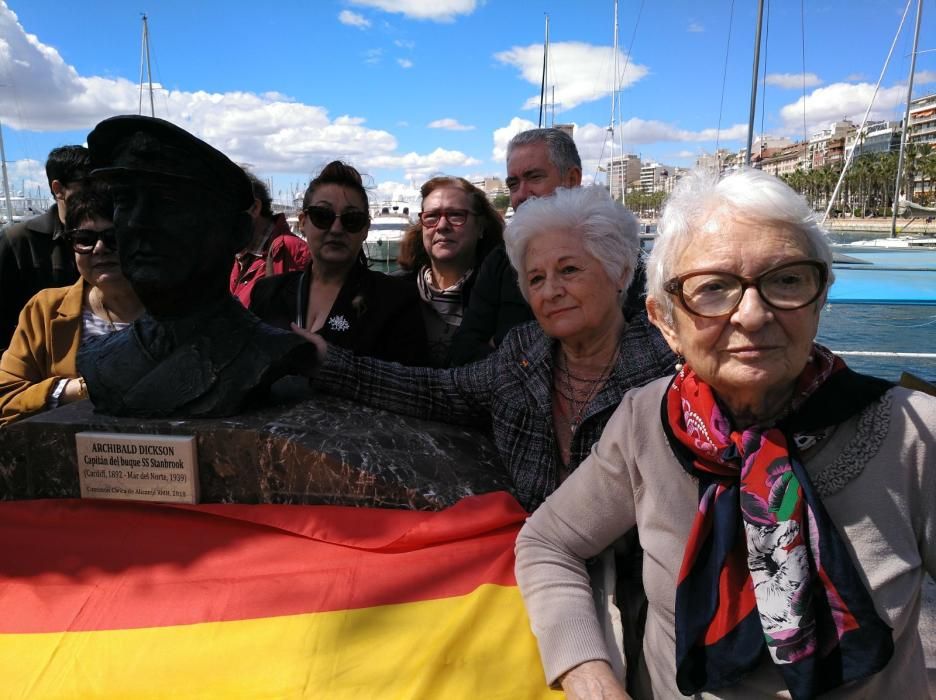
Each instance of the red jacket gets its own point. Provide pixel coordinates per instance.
(282, 252)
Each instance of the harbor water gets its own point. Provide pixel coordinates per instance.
(882, 328)
(884, 304)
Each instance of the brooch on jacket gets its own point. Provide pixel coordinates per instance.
(338, 323)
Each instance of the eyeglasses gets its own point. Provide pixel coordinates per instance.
(83, 240)
(712, 293)
(323, 218)
(456, 217)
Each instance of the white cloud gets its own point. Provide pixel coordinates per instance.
(696, 28)
(792, 81)
(272, 132)
(353, 19)
(841, 101)
(405, 63)
(373, 56)
(504, 134)
(637, 131)
(417, 166)
(434, 10)
(389, 190)
(580, 72)
(27, 176)
(450, 125)
(404, 43)
(924, 77)
(855, 77)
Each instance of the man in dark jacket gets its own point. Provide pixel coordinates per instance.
(538, 161)
(33, 254)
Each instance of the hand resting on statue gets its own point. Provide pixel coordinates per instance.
(321, 346)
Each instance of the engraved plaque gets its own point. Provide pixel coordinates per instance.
(131, 467)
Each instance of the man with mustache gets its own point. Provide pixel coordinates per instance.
(181, 214)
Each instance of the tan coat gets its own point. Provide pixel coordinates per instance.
(43, 350)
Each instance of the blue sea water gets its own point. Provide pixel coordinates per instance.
(886, 305)
(882, 328)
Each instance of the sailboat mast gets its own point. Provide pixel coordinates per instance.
(6, 181)
(614, 87)
(545, 74)
(754, 74)
(906, 125)
(861, 129)
(145, 61)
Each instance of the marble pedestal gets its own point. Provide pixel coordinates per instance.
(312, 449)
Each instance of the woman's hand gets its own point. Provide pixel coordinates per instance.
(75, 390)
(593, 680)
(321, 347)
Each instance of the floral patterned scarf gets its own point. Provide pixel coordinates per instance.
(764, 565)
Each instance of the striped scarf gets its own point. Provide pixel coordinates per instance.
(447, 303)
(764, 566)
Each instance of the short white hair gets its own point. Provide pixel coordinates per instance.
(748, 193)
(608, 231)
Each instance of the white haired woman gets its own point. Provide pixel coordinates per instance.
(551, 387)
(784, 503)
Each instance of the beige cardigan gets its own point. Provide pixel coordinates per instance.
(876, 475)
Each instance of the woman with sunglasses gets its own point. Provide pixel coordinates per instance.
(38, 371)
(441, 253)
(337, 295)
(784, 502)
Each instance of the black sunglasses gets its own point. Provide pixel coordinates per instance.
(323, 218)
(83, 240)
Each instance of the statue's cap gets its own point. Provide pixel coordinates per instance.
(130, 146)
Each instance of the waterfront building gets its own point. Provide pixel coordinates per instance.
(785, 161)
(623, 173)
(491, 186)
(876, 137)
(763, 143)
(719, 160)
(826, 148)
(653, 175)
(922, 123)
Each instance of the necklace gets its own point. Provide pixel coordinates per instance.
(578, 406)
(107, 313)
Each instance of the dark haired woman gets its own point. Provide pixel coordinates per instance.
(38, 371)
(337, 295)
(457, 228)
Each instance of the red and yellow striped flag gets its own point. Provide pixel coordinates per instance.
(104, 599)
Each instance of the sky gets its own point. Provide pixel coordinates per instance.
(408, 89)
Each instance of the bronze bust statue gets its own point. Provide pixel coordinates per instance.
(180, 216)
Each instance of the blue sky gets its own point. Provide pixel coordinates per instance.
(406, 89)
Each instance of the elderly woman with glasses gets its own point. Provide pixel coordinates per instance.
(552, 385)
(784, 502)
(337, 295)
(441, 253)
(38, 371)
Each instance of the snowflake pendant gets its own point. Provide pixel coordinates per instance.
(338, 323)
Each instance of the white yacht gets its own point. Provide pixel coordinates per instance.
(23, 208)
(389, 221)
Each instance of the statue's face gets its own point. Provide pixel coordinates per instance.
(176, 246)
